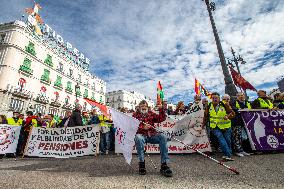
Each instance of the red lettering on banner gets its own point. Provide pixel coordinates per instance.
(46, 146)
(191, 147)
(63, 147)
(58, 146)
(52, 146)
(172, 148)
(78, 145)
(41, 145)
(85, 144)
(73, 146)
(168, 125)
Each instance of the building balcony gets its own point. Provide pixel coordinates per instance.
(79, 81)
(30, 50)
(42, 99)
(69, 90)
(67, 106)
(86, 85)
(60, 70)
(55, 102)
(48, 61)
(25, 70)
(78, 93)
(45, 80)
(58, 86)
(70, 76)
(22, 93)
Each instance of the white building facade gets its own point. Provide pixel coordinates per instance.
(41, 73)
(125, 99)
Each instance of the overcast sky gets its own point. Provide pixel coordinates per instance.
(133, 44)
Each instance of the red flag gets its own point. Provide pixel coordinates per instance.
(102, 107)
(240, 81)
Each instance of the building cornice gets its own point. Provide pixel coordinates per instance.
(13, 26)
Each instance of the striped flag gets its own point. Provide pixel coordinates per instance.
(200, 89)
(160, 93)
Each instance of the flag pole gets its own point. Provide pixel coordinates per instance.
(145, 151)
(203, 154)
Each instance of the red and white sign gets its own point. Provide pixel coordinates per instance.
(186, 128)
(9, 136)
(63, 142)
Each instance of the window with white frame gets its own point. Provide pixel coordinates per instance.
(53, 111)
(70, 72)
(60, 67)
(39, 108)
(16, 105)
(94, 86)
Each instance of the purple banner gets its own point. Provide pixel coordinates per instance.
(265, 129)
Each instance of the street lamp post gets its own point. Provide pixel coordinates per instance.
(236, 60)
(229, 85)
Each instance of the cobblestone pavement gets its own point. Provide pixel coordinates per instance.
(111, 171)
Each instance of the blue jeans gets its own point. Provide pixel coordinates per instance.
(104, 142)
(159, 138)
(224, 138)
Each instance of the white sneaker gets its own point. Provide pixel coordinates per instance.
(240, 154)
(245, 154)
(106, 152)
(226, 158)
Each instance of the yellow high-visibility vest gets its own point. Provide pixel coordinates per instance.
(11, 121)
(265, 105)
(34, 123)
(103, 120)
(239, 107)
(217, 119)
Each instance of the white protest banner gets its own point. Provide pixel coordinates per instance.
(63, 142)
(187, 128)
(126, 128)
(9, 136)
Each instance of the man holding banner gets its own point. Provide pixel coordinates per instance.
(238, 123)
(147, 134)
(220, 115)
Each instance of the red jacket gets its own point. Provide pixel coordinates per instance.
(149, 118)
(28, 122)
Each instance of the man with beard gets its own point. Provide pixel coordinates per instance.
(147, 134)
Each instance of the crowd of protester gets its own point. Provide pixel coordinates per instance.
(227, 134)
(71, 119)
(223, 121)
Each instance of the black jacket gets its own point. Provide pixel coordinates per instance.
(237, 120)
(76, 119)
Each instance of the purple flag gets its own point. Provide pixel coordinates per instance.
(265, 129)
